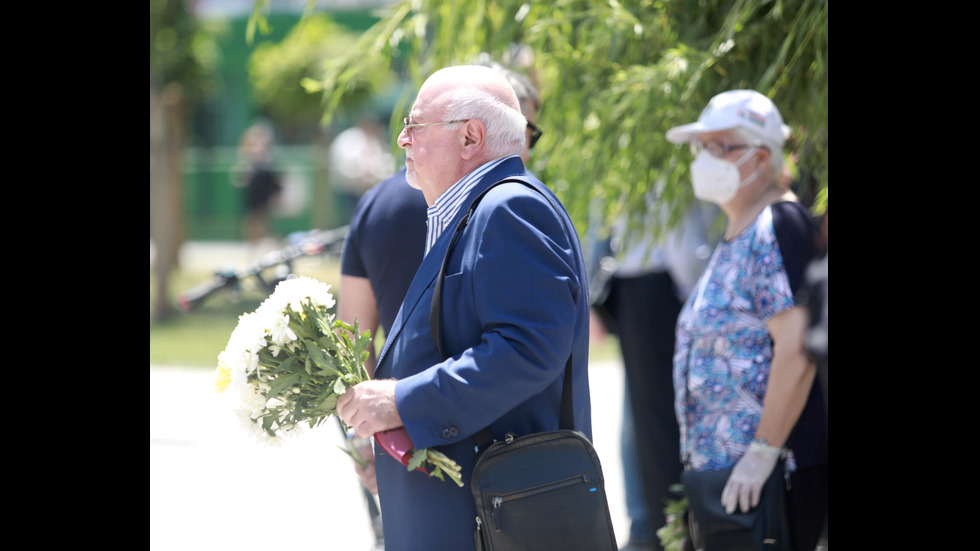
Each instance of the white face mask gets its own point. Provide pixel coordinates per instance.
(717, 180)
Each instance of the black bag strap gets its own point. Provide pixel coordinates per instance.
(566, 417)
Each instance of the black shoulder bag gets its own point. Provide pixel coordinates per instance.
(539, 491)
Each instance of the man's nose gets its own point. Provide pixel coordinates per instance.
(403, 139)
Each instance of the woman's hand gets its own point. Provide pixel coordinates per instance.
(748, 477)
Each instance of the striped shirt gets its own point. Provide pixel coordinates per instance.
(448, 204)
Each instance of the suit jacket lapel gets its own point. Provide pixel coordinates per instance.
(429, 269)
(424, 278)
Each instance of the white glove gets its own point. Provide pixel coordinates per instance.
(748, 477)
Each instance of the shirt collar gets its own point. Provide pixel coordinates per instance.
(448, 204)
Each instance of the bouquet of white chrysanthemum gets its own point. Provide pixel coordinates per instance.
(290, 360)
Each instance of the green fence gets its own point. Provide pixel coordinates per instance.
(214, 203)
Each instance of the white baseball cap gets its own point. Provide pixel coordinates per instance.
(746, 109)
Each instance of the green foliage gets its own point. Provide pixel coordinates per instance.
(440, 466)
(182, 49)
(194, 340)
(288, 76)
(614, 76)
(673, 534)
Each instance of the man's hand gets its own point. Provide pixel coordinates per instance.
(369, 407)
(748, 477)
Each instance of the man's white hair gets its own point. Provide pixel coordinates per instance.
(505, 125)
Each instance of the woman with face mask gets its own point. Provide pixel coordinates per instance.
(745, 390)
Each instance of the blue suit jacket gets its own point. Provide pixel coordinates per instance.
(514, 307)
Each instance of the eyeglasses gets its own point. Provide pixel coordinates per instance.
(409, 126)
(535, 133)
(716, 148)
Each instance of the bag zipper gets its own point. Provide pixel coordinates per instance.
(498, 501)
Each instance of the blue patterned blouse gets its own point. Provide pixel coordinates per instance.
(723, 351)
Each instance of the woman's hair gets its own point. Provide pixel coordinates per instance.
(505, 125)
(775, 151)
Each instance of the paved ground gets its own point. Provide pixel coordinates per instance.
(212, 488)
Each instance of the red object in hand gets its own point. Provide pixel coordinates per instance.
(398, 445)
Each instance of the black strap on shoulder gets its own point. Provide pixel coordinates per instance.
(566, 419)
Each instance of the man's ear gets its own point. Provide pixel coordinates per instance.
(474, 136)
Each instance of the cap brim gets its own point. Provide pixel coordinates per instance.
(684, 133)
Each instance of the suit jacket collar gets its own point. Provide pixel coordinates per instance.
(429, 269)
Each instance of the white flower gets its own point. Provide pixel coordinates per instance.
(279, 331)
(242, 352)
(251, 398)
(267, 394)
(255, 430)
(293, 291)
(294, 385)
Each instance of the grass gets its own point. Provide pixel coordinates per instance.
(194, 339)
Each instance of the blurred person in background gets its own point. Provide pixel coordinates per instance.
(814, 297)
(646, 288)
(359, 159)
(260, 182)
(745, 388)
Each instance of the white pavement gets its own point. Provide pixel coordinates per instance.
(212, 488)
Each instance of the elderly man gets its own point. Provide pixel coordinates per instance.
(514, 308)
(386, 242)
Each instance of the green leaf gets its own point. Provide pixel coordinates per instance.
(325, 390)
(329, 345)
(323, 325)
(437, 472)
(328, 405)
(288, 364)
(302, 329)
(417, 459)
(674, 532)
(323, 361)
(282, 382)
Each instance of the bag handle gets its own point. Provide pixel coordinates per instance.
(566, 417)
